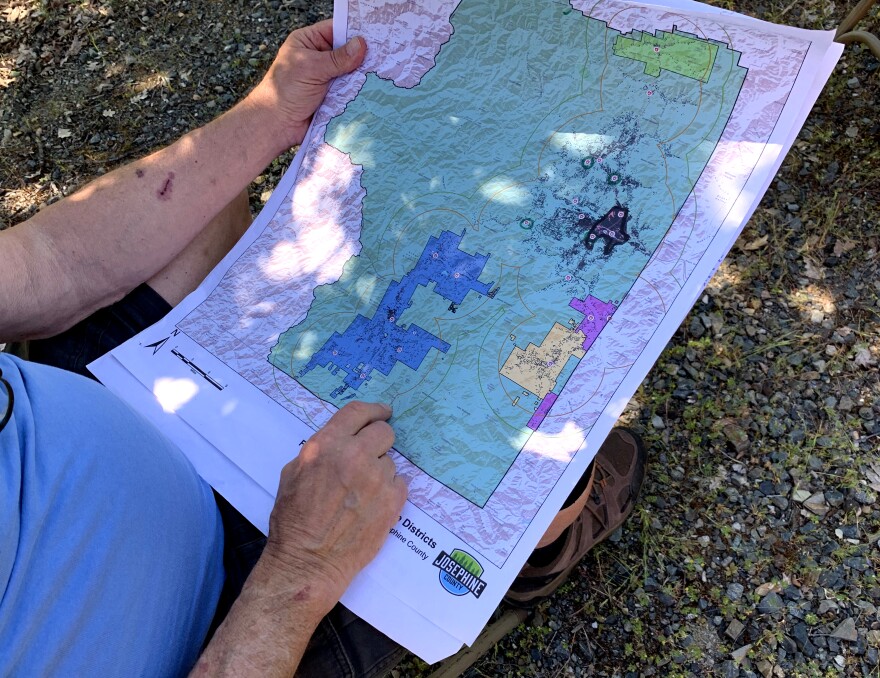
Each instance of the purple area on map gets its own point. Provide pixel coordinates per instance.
(542, 411)
(596, 312)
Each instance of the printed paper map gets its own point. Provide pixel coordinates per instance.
(495, 226)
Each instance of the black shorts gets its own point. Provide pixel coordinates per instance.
(344, 644)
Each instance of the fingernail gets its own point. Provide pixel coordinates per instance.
(387, 407)
(352, 47)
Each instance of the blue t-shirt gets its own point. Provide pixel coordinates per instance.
(110, 543)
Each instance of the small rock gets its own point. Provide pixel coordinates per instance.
(867, 608)
(767, 587)
(827, 606)
(771, 604)
(800, 496)
(665, 599)
(729, 669)
(735, 591)
(834, 498)
(846, 630)
(737, 438)
(864, 497)
(657, 422)
(765, 668)
(740, 653)
(696, 328)
(802, 639)
(776, 427)
(816, 504)
(863, 357)
(857, 563)
(734, 629)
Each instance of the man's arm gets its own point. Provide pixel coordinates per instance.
(336, 503)
(93, 247)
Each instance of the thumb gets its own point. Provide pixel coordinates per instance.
(343, 59)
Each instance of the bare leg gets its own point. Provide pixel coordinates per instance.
(190, 267)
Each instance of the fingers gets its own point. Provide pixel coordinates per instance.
(325, 30)
(390, 467)
(342, 60)
(357, 415)
(402, 489)
(377, 437)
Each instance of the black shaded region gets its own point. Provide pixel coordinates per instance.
(611, 228)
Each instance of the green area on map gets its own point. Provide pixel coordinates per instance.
(682, 54)
(487, 186)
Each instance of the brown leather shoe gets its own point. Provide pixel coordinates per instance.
(618, 473)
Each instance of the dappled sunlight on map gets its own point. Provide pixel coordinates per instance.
(504, 191)
(173, 394)
(560, 446)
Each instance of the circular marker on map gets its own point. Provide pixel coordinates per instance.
(656, 49)
(590, 317)
(620, 214)
(335, 352)
(434, 255)
(587, 162)
(614, 177)
(650, 93)
(400, 349)
(363, 376)
(526, 224)
(582, 216)
(549, 363)
(592, 236)
(391, 318)
(599, 160)
(456, 275)
(567, 278)
(575, 200)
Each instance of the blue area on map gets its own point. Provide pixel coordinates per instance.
(379, 343)
(567, 371)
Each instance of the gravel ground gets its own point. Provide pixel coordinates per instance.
(753, 550)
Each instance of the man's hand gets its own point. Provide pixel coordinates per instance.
(337, 500)
(336, 503)
(298, 79)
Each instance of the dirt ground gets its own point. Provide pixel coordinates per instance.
(753, 549)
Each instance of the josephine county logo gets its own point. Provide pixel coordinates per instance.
(460, 573)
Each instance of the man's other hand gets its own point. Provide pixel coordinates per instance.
(298, 79)
(337, 501)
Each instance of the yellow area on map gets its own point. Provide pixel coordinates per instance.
(536, 368)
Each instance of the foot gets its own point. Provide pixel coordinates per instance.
(618, 472)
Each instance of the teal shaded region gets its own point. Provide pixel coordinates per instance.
(495, 136)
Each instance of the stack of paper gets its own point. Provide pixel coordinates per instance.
(495, 225)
